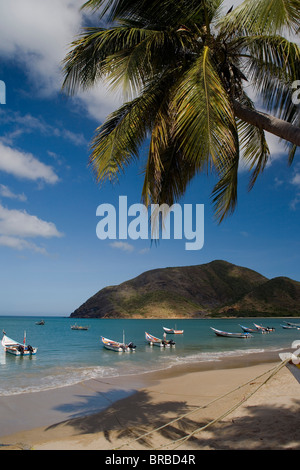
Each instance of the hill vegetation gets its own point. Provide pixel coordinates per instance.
(214, 289)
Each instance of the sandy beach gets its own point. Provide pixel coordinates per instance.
(125, 413)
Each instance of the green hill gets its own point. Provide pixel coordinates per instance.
(218, 288)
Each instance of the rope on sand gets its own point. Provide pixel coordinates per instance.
(273, 371)
(233, 408)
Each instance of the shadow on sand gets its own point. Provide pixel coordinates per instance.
(264, 427)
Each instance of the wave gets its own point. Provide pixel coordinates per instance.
(68, 376)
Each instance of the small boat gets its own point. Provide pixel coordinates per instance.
(264, 329)
(77, 327)
(116, 346)
(17, 349)
(231, 335)
(163, 343)
(172, 331)
(291, 325)
(248, 330)
(41, 322)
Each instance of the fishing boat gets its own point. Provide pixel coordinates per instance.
(17, 349)
(117, 346)
(77, 327)
(231, 335)
(153, 341)
(264, 329)
(172, 331)
(248, 330)
(291, 325)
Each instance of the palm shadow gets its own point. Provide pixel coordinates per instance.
(264, 427)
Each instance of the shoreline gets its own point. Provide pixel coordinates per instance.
(102, 414)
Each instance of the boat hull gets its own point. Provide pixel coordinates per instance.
(14, 348)
(227, 334)
(16, 352)
(153, 341)
(248, 330)
(116, 346)
(172, 331)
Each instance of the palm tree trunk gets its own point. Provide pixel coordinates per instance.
(275, 126)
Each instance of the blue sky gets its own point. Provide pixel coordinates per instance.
(51, 259)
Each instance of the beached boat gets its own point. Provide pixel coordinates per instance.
(172, 331)
(17, 349)
(264, 329)
(231, 335)
(248, 330)
(163, 343)
(117, 346)
(78, 327)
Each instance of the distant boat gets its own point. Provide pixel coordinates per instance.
(17, 349)
(117, 346)
(231, 335)
(152, 340)
(248, 330)
(41, 322)
(172, 331)
(77, 327)
(291, 325)
(264, 329)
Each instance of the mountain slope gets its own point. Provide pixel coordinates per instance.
(216, 288)
(278, 296)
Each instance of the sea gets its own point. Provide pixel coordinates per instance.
(66, 356)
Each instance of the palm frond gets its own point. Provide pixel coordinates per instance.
(118, 140)
(205, 117)
(273, 64)
(270, 16)
(166, 13)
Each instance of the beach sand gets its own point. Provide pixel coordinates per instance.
(111, 414)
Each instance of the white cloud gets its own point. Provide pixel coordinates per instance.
(21, 224)
(124, 246)
(99, 101)
(6, 192)
(296, 179)
(16, 226)
(20, 244)
(37, 35)
(26, 124)
(25, 165)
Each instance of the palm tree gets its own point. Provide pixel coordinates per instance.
(186, 70)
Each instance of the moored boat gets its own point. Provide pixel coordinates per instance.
(248, 330)
(264, 329)
(78, 327)
(231, 335)
(17, 349)
(153, 341)
(172, 331)
(117, 346)
(291, 325)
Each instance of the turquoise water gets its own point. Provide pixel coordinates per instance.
(66, 356)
